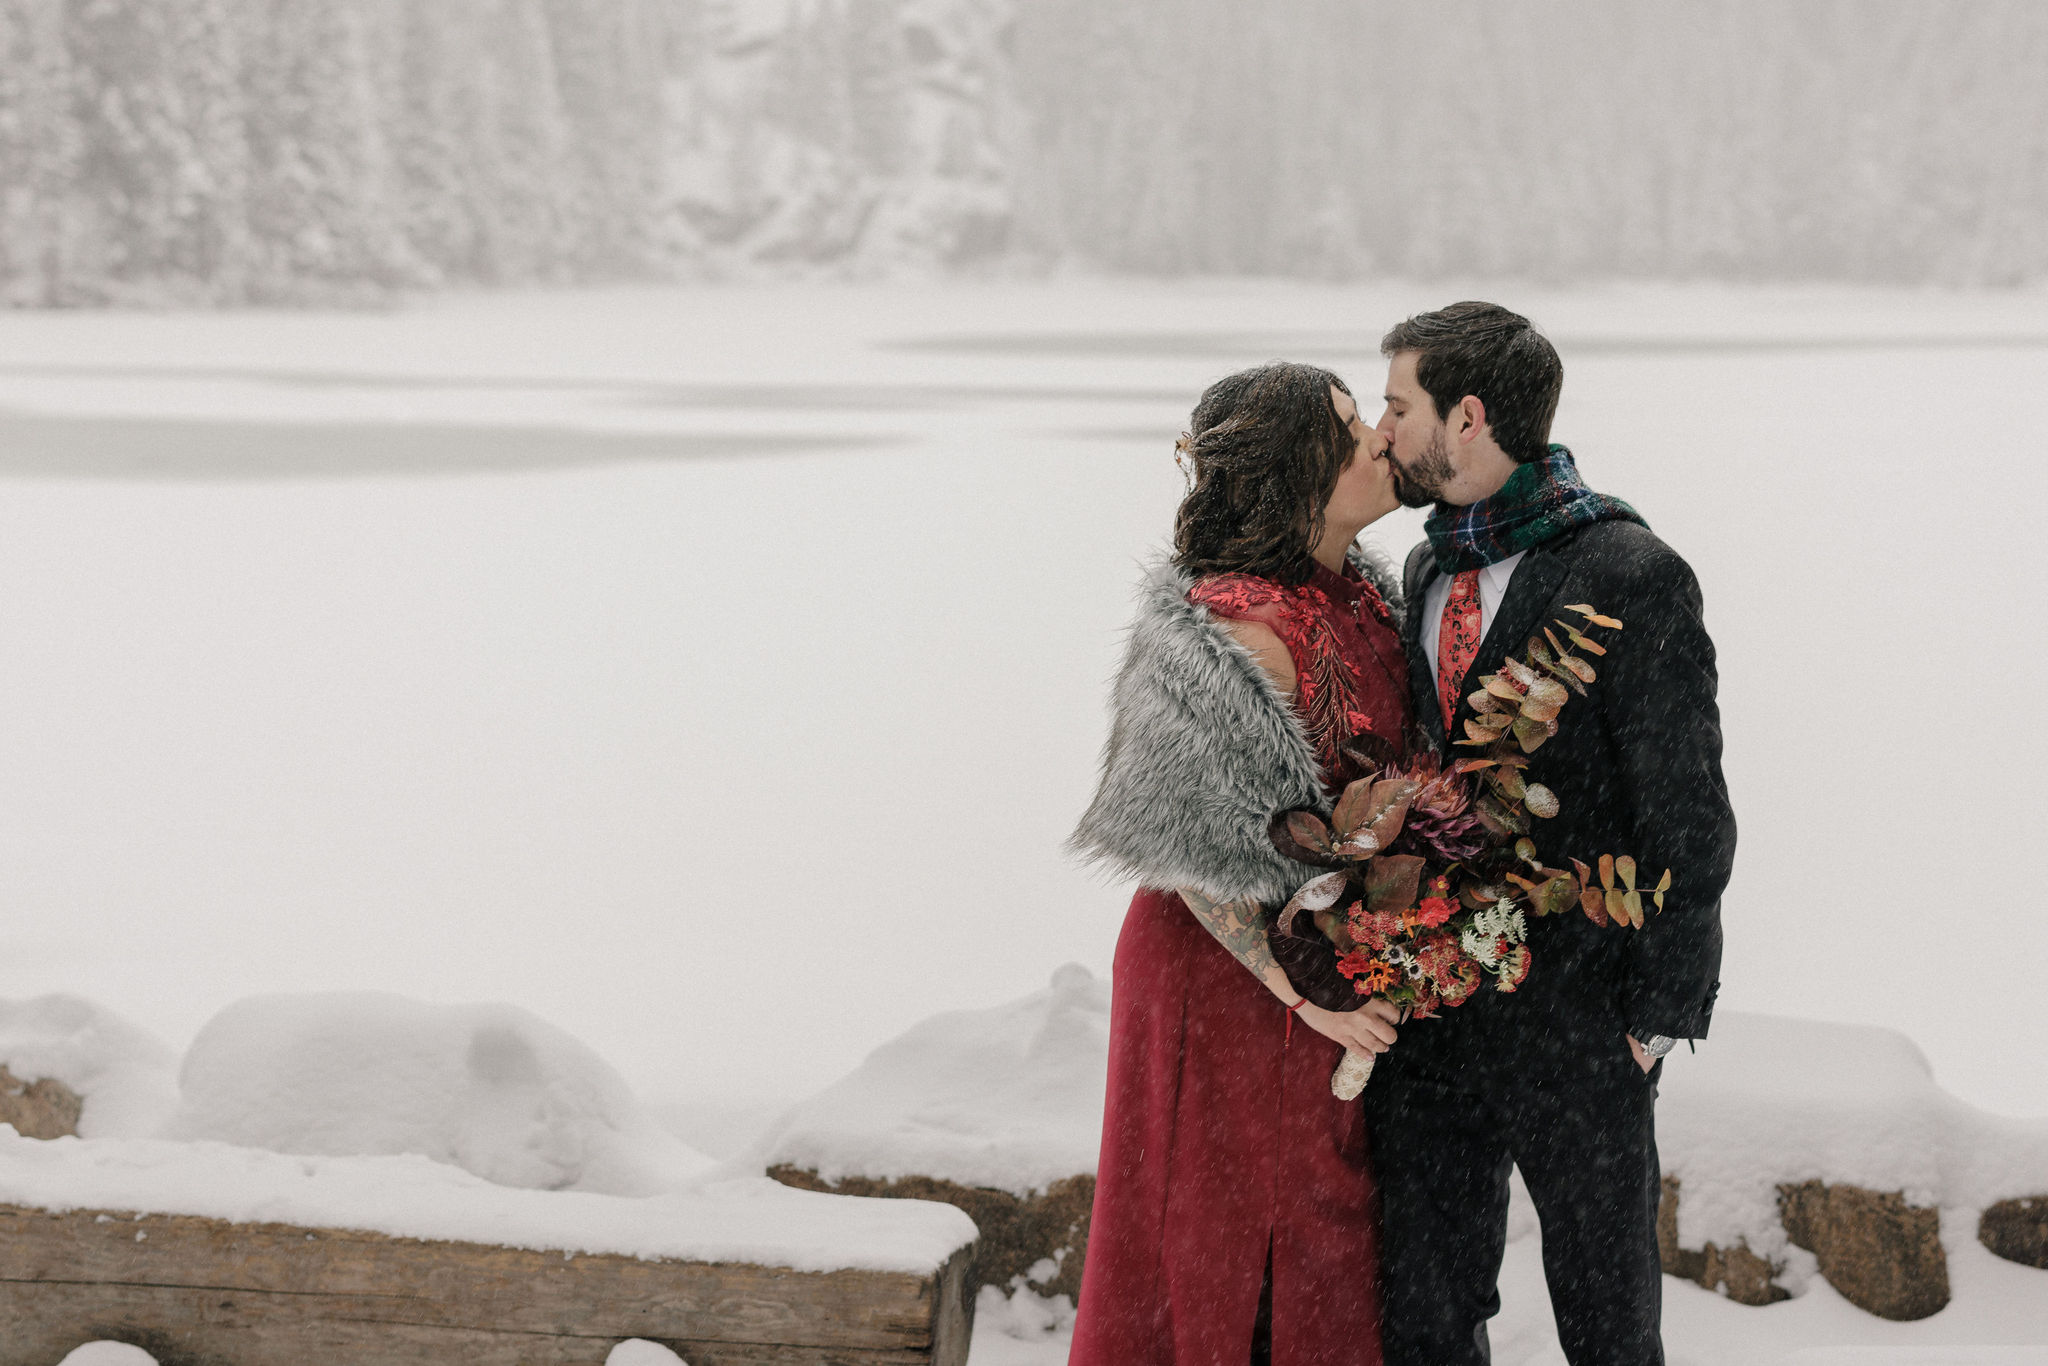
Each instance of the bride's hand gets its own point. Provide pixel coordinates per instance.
(1368, 1029)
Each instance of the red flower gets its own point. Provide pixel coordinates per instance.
(1374, 929)
(1356, 963)
(1435, 911)
(1454, 975)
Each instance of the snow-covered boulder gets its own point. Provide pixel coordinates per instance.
(1791, 1146)
(998, 1111)
(60, 1049)
(488, 1088)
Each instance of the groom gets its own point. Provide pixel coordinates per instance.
(1559, 1078)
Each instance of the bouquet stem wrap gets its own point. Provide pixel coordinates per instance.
(1351, 1075)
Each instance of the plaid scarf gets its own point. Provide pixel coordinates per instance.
(1542, 499)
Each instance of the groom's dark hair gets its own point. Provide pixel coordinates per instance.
(1493, 355)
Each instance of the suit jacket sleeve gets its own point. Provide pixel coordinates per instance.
(1659, 684)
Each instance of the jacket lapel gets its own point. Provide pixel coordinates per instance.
(1421, 680)
(1530, 592)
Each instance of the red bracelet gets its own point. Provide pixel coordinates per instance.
(1295, 1009)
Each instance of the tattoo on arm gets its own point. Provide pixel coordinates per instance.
(1239, 926)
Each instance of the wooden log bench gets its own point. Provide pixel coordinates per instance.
(205, 1292)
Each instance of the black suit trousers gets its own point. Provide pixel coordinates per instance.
(1447, 1129)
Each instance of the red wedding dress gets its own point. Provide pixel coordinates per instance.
(1221, 1143)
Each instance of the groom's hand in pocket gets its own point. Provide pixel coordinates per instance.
(1643, 1060)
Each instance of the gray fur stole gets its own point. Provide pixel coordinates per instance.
(1203, 749)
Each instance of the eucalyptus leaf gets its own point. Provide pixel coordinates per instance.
(1501, 688)
(1352, 807)
(1317, 894)
(1308, 831)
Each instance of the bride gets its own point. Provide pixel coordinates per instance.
(1235, 1218)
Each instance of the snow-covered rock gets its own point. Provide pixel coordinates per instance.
(996, 1111)
(1008, 1098)
(1770, 1101)
(127, 1077)
(488, 1088)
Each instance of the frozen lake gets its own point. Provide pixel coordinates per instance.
(716, 672)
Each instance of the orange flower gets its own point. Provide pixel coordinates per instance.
(1435, 911)
(1378, 979)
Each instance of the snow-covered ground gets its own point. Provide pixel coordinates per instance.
(989, 1098)
(714, 673)
(362, 1091)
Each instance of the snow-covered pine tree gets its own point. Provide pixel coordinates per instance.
(609, 69)
(877, 87)
(162, 163)
(320, 201)
(43, 223)
(423, 59)
(239, 149)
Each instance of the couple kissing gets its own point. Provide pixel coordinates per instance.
(1244, 1211)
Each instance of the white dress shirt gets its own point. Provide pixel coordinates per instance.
(1493, 586)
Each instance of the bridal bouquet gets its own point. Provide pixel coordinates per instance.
(1433, 876)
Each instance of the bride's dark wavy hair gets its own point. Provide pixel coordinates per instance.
(1267, 447)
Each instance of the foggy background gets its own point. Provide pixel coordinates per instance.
(627, 506)
(231, 151)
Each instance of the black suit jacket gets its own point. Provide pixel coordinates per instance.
(1636, 765)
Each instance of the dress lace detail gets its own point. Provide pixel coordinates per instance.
(1327, 683)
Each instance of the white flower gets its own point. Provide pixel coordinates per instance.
(1502, 920)
(1484, 947)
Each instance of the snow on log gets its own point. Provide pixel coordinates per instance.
(194, 1289)
(997, 1111)
(374, 1180)
(201, 1251)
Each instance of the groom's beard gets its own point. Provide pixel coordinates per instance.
(1422, 483)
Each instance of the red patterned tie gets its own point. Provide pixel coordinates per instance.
(1457, 642)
